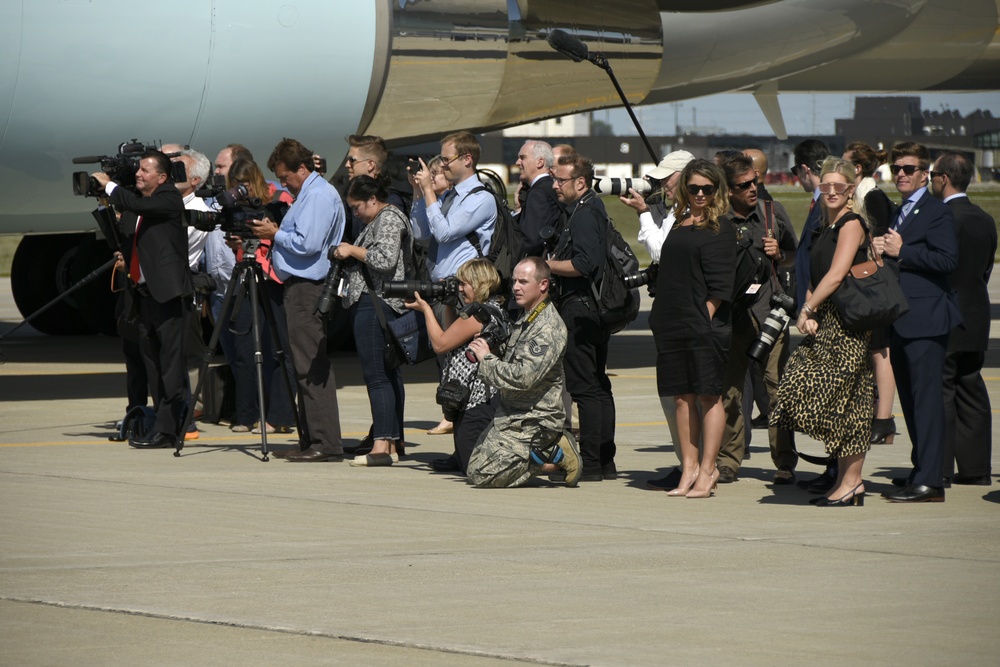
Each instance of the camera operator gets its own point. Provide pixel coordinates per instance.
(524, 438)
(155, 252)
(472, 410)
(313, 224)
(655, 215)
(579, 260)
(468, 212)
(769, 229)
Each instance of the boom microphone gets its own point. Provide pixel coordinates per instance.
(88, 159)
(568, 45)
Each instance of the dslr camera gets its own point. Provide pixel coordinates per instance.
(496, 329)
(120, 168)
(237, 209)
(777, 321)
(334, 285)
(619, 187)
(445, 291)
(645, 277)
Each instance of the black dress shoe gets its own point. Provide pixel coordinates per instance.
(314, 456)
(916, 493)
(830, 475)
(973, 480)
(592, 476)
(727, 476)
(449, 464)
(153, 441)
(668, 483)
(609, 471)
(901, 482)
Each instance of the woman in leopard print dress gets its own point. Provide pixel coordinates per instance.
(827, 389)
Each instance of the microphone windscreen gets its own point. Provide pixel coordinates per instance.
(568, 45)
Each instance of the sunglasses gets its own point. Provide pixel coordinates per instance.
(935, 174)
(908, 169)
(354, 160)
(745, 185)
(693, 190)
(833, 188)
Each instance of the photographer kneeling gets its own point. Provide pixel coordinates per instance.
(380, 253)
(526, 437)
(467, 401)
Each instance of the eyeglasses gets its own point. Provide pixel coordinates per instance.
(693, 190)
(831, 188)
(907, 169)
(448, 160)
(562, 181)
(745, 185)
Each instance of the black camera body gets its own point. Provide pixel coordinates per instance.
(496, 329)
(334, 285)
(782, 305)
(237, 209)
(120, 168)
(452, 396)
(445, 291)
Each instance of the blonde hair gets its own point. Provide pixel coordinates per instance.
(482, 276)
(836, 165)
(719, 202)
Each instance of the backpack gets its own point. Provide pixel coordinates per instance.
(617, 304)
(506, 245)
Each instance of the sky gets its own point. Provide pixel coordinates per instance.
(804, 114)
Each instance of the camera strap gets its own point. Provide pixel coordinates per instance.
(376, 302)
(768, 205)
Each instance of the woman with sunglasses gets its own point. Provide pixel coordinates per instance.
(875, 207)
(827, 392)
(691, 320)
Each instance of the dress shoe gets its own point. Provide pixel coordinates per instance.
(314, 456)
(667, 483)
(610, 471)
(726, 476)
(804, 484)
(824, 482)
(853, 498)
(901, 482)
(783, 477)
(372, 461)
(883, 431)
(591, 475)
(916, 493)
(682, 488)
(153, 441)
(448, 464)
(973, 480)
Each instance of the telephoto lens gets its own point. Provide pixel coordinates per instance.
(776, 322)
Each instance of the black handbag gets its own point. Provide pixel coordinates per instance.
(406, 337)
(870, 296)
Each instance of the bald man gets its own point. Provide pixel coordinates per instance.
(760, 166)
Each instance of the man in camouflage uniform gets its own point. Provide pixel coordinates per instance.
(524, 439)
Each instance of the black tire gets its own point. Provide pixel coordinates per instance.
(42, 270)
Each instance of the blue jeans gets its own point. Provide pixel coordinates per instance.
(385, 388)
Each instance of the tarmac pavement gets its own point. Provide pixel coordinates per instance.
(114, 556)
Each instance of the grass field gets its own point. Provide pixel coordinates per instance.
(792, 197)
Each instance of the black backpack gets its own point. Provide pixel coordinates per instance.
(506, 244)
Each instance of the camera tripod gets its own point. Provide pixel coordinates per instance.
(247, 278)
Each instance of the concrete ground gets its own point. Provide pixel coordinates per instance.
(113, 556)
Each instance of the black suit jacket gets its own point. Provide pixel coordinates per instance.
(162, 241)
(977, 245)
(928, 256)
(541, 208)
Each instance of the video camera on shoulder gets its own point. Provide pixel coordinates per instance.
(120, 168)
(236, 209)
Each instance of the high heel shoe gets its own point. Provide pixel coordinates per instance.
(713, 483)
(851, 498)
(683, 490)
(883, 431)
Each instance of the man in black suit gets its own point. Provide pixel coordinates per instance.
(538, 206)
(968, 416)
(809, 156)
(923, 245)
(155, 254)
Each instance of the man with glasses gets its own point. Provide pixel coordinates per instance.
(924, 247)
(470, 215)
(767, 226)
(578, 260)
(968, 414)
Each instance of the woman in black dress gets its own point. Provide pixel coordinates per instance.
(875, 206)
(691, 320)
(827, 391)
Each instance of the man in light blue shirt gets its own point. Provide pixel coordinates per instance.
(313, 224)
(470, 215)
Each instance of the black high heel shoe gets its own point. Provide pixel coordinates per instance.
(883, 431)
(851, 498)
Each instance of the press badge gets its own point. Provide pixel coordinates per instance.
(753, 289)
(342, 287)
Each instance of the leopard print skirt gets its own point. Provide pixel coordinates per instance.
(827, 391)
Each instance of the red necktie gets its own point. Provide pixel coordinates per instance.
(133, 265)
